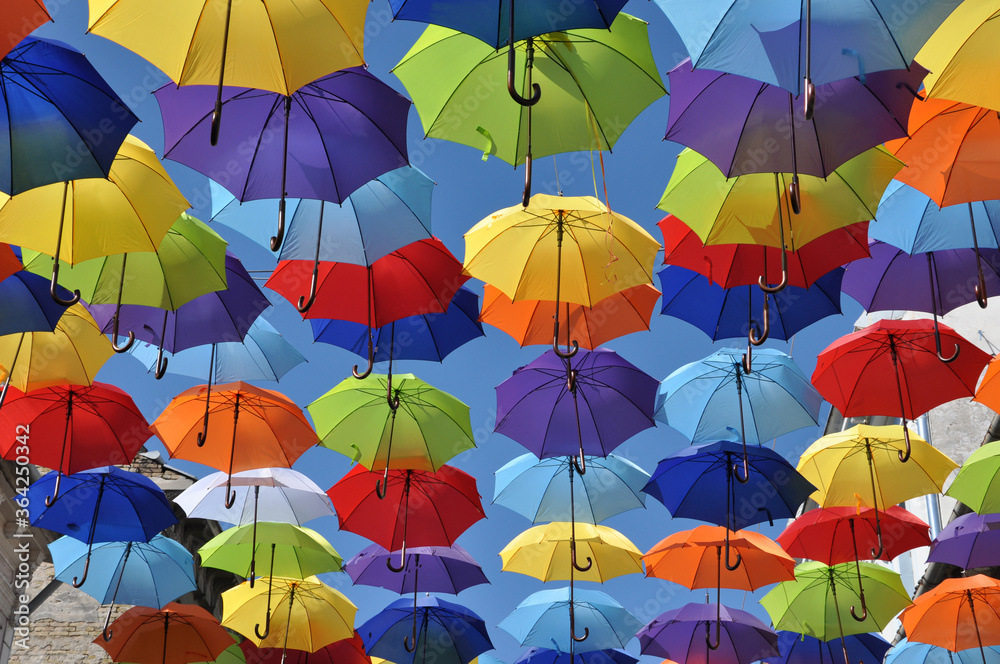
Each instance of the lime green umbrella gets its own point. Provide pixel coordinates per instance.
(821, 600)
(386, 421)
(596, 82)
(978, 481)
(190, 261)
(284, 548)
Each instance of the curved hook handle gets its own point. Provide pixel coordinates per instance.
(267, 627)
(794, 196)
(809, 98)
(161, 364)
(864, 609)
(708, 637)
(203, 434)
(526, 196)
(577, 566)
(579, 463)
(86, 568)
(916, 95)
(903, 456)
(774, 289)
(55, 492)
(747, 359)
(755, 340)
(877, 553)
(937, 343)
(382, 485)
(114, 335)
(408, 643)
(746, 470)
(580, 639)
(106, 633)
(279, 236)
(574, 347)
(402, 564)
(216, 121)
(739, 559)
(536, 91)
(303, 304)
(54, 288)
(230, 493)
(371, 357)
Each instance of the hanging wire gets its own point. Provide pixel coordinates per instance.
(609, 235)
(555, 166)
(993, 349)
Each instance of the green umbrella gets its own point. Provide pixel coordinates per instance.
(977, 480)
(596, 82)
(231, 655)
(190, 261)
(383, 424)
(819, 601)
(286, 549)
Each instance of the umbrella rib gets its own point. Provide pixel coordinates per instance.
(746, 120)
(256, 148)
(903, 58)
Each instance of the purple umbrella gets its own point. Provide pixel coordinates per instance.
(739, 637)
(935, 281)
(439, 569)
(970, 541)
(322, 142)
(745, 126)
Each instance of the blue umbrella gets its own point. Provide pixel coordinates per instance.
(539, 490)
(262, 355)
(439, 569)
(912, 652)
(140, 573)
(27, 305)
(548, 619)
(59, 120)
(426, 337)
(968, 542)
(549, 656)
(725, 313)
(685, 635)
(441, 632)
(103, 504)
(798, 648)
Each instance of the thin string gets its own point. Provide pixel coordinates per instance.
(609, 235)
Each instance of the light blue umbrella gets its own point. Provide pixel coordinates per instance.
(146, 574)
(912, 652)
(547, 618)
(540, 491)
(262, 355)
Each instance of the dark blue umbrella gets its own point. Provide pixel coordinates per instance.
(798, 648)
(429, 630)
(970, 541)
(550, 656)
(424, 337)
(103, 504)
(27, 305)
(59, 119)
(725, 313)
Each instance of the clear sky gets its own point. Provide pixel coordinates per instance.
(468, 190)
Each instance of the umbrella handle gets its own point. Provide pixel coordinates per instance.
(566, 354)
(784, 278)
(267, 627)
(708, 637)
(411, 645)
(766, 327)
(304, 304)
(118, 309)
(402, 561)
(511, 61)
(86, 568)
(904, 456)
(161, 364)
(382, 485)
(916, 95)
(54, 287)
(55, 494)
(576, 565)
(230, 493)
(980, 287)
(747, 358)
(794, 196)
(279, 235)
(114, 333)
(937, 342)
(742, 479)
(371, 357)
(526, 196)
(809, 98)
(864, 609)
(739, 559)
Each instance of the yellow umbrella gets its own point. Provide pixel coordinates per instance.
(278, 45)
(961, 55)
(544, 552)
(131, 210)
(70, 355)
(839, 463)
(302, 614)
(520, 250)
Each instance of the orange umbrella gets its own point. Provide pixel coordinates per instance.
(943, 616)
(272, 431)
(530, 321)
(9, 264)
(693, 558)
(175, 634)
(988, 392)
(953, 152)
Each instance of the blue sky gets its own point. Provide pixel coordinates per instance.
(468, 190)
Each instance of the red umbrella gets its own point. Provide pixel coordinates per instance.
(420, 508)
(346, 651)
(175, 634)
(892, 368)
(420, 278)
(9, 264)
(18, 19)
(70, 428)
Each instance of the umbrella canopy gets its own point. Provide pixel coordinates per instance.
(27, 306)
(747, 126)
(969, 541)
(942, 616)
(684, 635)
(550, 656)
(914, 652)
(441, 569)
(61, 120)
(22, 17)
(977, 478)
(592, 76)
(447, 632)
(801, 649)
(9, 261)
(540, 491)
(609, 401)
(988, 392)
(688, 484)
(175, 634)
(345, 651)
(693, 558)
(544, 552)
(283, 549)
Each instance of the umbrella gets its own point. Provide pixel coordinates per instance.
(131, 210)
(103, 504)
(27, 306)
(75, 427)
(514, 250)
(442, 569)
(278, 47)
(19, 19)
(181, 632)
(189, 261)
(914, 652)
(263, 354)
(338, 132)
(9, 261)
(288, 497)
(364, 419)
(802, 649)
(547, 552)
(853, 372)
(273, 431)
(590, 403)
(740, 638)
(426, 336)
(599, 80)
(976, 479)
(316, 614)
(61, 120)
(550, 656)
(441, 631)
(345, 651)
(988, 392)
(697, 399)
(160, 571)
(538, 490)
(941, 616)
(527, 321)
(810, 605)
(969, 541)
(547, 619)
(756, 208)
(444, 504)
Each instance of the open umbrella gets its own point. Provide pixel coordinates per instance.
(941, 616)
(175, 634)
(551, 656)
(546, 553)
(969, 541)
(913, 652)
(20, 19)
(431, 629)
(740, 638)
(345, 651)
(977, 479)
(27, 306)
(9, 261)
(441, 569)
(803, 649)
